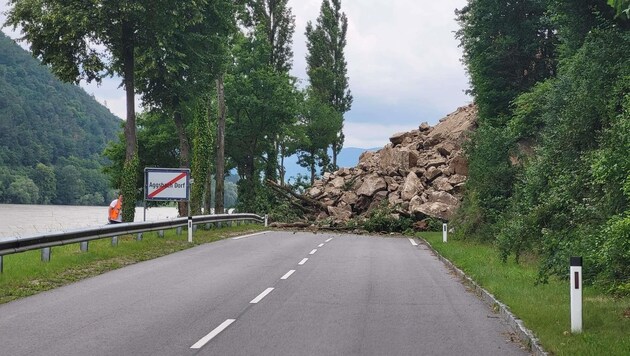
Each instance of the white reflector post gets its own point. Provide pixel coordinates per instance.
(444, 232)
(190, 229)
(576, 294)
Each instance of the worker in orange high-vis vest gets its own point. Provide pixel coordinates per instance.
(115, 211)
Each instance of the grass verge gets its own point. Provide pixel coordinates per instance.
(544, 308)
(25, 274)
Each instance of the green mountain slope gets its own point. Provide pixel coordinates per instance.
(52, 135)
(43, 119)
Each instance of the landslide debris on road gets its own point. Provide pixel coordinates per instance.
(420, 173)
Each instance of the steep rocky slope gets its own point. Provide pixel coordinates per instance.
(420, 173)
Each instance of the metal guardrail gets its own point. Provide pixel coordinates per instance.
(10, 245)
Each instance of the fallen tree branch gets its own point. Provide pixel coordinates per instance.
(302, 198)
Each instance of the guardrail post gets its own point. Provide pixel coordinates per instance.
(139, 237)
(179, 230)
(218, 224)
(114, 241)
(160, 233)
(84, 246)
(1, 265)
(46, 252)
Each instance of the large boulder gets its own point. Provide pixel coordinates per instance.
(413, 186)
(372, 184)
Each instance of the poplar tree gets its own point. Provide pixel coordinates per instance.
(326, 63)
(274, 21)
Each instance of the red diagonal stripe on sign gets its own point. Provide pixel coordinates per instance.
(157, 191)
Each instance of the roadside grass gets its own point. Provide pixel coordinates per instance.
(25, 274)
(544, 308)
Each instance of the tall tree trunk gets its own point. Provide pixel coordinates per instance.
(283, 170)
(128, 187)
(184, 150)
(220, 166)
(334, 162)
(271, 169)
(312, 168)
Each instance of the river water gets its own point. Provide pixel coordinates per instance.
(24, 220)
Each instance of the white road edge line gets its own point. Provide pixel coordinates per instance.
(412, 241)
(204, 340)
(244, 236)
(313, 252)
(261, 296)
(328, 240)
(303, 261)
(320, 245)
(288, 274)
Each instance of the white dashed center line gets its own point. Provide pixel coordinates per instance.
(261, 296)
(413, 242)
(204, 340)
(313, 252)
(303, 261)
(320, 245)
(328, 240)
(288, 274)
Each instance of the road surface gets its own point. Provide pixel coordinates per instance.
(274, 293)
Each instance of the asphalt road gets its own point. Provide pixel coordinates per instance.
(347, 295)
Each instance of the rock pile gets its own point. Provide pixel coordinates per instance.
(420, 173)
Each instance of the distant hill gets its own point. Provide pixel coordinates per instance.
(348, 157)
(43, 119)
(52, 135)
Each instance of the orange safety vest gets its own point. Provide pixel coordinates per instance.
(114, 212)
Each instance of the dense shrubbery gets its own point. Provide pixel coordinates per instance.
(384, 219)
(551, 175)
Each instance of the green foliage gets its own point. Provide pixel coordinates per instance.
(622, 8)
(548, 167)
(327, 67)
(201, 163)
(43, 120)
(22, 191)
(317, 128)
(384, 219)
(44, 178)
(508, 47)
(489, 184)
(129, 189)
(575, 183)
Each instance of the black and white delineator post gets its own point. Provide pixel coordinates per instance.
(444, 232)
(576, 294)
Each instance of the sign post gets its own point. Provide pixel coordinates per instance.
(576, 294)
(168, 184)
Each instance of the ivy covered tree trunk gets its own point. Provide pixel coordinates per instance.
(220, 165)
(130, 170)
(201, 162)
(184, 152)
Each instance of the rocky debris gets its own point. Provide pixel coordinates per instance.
(419, 173)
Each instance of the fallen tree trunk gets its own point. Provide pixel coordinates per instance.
(285, 190)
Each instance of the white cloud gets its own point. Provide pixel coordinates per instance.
(403, 64)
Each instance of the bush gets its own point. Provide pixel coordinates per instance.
(384, 219)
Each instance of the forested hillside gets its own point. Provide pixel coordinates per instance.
(52, 135)
(550, 162)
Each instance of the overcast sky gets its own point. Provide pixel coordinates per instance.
(403, 64)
